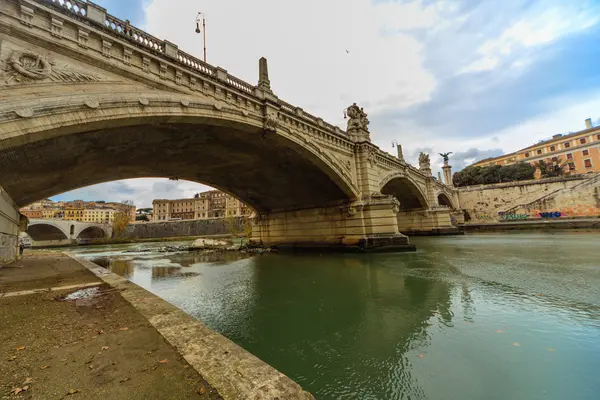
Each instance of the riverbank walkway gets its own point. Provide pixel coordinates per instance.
(99, 347)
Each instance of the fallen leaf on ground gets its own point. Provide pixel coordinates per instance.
(44, 367)
(27, 381)
(72, 391)
(104, 347)
(123, 329)
(12, 358)
(20, 348)
(100, 332)
(201, 391)
(18, 390)
(421, 356)
(516, 344)
(499, 331)
(551, 349)
(125, 380)
(163, 361)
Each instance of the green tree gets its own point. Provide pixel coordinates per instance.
(475, 175)
(552, 168)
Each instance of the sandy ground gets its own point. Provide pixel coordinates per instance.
(92, 348)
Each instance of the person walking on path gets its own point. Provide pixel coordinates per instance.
(21, 248)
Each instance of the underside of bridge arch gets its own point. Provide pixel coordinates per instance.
(407, 193)
(444, 200)
(45, 232)
(92, 232)
(263, 169)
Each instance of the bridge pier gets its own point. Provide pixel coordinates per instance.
(364, 225)
(10, 226)
(434, 221)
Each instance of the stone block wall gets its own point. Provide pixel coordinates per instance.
(9, 228)
(348, 225)
(568, 197)
(217, 226)
(424, 221)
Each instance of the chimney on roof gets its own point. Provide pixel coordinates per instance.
(588, 123)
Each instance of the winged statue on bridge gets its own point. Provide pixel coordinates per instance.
(445, 156)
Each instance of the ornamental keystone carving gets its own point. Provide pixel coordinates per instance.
(28, 66)
(271, 122)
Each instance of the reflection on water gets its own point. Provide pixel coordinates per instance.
(473, 317)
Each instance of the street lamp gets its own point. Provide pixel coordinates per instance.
(203, 29)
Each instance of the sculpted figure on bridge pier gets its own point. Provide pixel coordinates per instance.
(424, 161)
(445, 156)
(358, 125)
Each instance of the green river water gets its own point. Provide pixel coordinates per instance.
(488, 316)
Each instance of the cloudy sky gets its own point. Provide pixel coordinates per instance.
(476, 77)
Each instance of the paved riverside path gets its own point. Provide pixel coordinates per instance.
(99, 348)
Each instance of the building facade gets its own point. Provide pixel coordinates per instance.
(33, 213)
(99, 215)
(78, 210)
(74, 213)
(205, 205)
(580, 151)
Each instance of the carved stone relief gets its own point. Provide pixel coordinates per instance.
(271, 122)
(27, 66)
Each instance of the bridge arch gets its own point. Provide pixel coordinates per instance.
(45, 232)
(406, 190)
(92, 232)
(444, 200)
(160, 136)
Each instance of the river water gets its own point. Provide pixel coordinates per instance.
(487, 316)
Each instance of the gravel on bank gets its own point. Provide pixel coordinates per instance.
(95, 346)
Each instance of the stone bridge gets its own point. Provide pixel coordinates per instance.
(88, 98)
(47, 232)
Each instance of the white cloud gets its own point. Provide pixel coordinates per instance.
(323, 55)
(539, 127)
(140, 191)
(540, 27)
(486, 63)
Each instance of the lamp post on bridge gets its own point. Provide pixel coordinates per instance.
(399, 149)
(203, 29)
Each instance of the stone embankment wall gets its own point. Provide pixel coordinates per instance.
(217, 226)
(9, 228)
(552, 198)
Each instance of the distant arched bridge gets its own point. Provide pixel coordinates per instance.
(48, 231)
